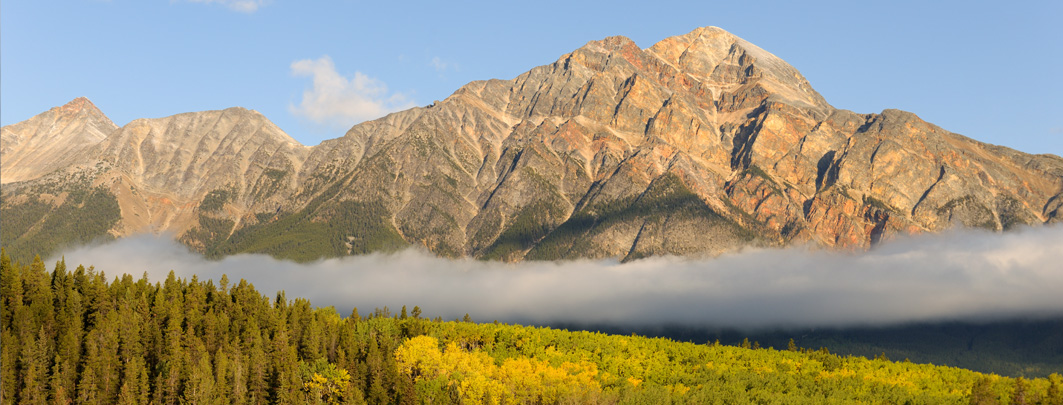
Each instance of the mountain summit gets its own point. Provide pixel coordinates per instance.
(51, 140)
(700, 144)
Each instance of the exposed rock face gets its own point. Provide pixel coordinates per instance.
(174, 162)
(700, 144)
(50, 140)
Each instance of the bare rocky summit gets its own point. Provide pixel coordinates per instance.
(698, 145)
(51, 140)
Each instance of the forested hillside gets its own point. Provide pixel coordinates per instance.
(78, 337)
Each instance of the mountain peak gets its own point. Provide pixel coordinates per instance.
(51, 140)
(719, 57)
(704, 49)
(79, 103)
(708, 31)
(611, 44)
(78, 106)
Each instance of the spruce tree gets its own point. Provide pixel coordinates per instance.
(34, 372)
(199, 388)
(285, 384)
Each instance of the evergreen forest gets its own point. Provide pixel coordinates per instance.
(77, 336)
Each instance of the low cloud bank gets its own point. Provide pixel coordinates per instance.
(953, 276)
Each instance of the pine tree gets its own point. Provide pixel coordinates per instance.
(285, 384)
(10, 287)
(40, 301)
(34, 371)
(223, 284)
(70, 330)
(222, 385)
(88, 387)
(139, 370)
(59, 391)
(9, 349)
(126, 395)
(238, 376)
(130, 324)
(257, 369)
(10, 298)
(211, 330)
(377, 390)
(134, 389)
(280, 304)
(195, 301)
(61, 395)
(171, 361)
(200, 386)
(310, 346)
(101, 347)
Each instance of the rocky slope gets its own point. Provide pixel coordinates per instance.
(700, 144)
(50, 140)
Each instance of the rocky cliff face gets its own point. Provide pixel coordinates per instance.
(700, 144)
(50, 140)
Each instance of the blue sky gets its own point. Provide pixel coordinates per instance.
(988, 70)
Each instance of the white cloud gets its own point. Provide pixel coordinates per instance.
(956, 276)
(245, 6)
(438, 64)
(340, 101)
(441, 66)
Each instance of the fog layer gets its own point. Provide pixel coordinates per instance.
(953, 276)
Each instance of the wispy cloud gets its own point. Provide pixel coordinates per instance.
(339, 101)
(956, 276)
(440, 65)
(245, 6)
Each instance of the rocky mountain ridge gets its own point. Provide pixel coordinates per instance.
(50, 140)
(701, 144)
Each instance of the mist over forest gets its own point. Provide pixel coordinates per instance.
(959, 275)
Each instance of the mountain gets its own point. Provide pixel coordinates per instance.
(50, 140)
(701, 144)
